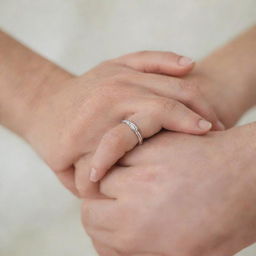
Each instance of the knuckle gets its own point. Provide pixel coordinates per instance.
(126, 77)
(148, 178)
(134, 232)
(154, 108)
(112, 138)
(157, 67)
(169, 105)
(117, 86)
(122, 77)
(107, 86)
(163, 105)
(86, 213)
(127, 242)
(109, 90)
(142, 53)
(137, 54)
(128, 234)
(191, 91)
(106, 62)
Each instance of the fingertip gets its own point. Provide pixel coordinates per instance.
(184, 65)
(204, 125)
(185, 61)
(94, 175)
(220, 126)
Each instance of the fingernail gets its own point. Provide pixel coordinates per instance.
(221, 126)
(185, 61)
(204, 125)
(93, 175)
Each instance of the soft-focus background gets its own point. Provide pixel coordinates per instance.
(37, 215)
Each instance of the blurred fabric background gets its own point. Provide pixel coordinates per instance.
(37, 215)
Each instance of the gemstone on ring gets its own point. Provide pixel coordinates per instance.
(135, 129)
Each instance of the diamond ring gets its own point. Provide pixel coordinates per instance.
(135, 129)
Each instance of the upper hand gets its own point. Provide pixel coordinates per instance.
(78, 126)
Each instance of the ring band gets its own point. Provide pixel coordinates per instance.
(135, 129)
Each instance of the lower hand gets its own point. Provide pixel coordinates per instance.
(178, 194)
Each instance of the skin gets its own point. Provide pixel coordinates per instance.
(181, 194)
(43, 94)
(74, 123)
(177, 202)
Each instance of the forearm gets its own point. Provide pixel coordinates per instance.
(24, 78)
(233, 69)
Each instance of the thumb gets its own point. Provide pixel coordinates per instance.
(167, 63)
(84, 186)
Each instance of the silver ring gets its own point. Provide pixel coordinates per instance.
(135, 129)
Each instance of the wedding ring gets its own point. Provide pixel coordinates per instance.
(135, 129)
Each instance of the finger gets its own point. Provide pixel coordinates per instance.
(67, 178)
(99, 220)
(126, 180)
(167, 114)
(180, 90)
(174, 116)
(101, 214)
(113, 145)
(84, 186)
(104, 250)
(168, 63)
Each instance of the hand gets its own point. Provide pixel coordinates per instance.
(180, 195)
(86, 112)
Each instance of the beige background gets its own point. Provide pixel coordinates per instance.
(37, 215)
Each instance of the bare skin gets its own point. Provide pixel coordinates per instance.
(181, 194)
(43, 94)
(74, 123)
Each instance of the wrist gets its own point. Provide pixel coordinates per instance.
(229, 77)
(229, 98)
(51, 82)
(240, 146)
(25, 80)
(247, 133)
(240, 143)
(18, 107)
